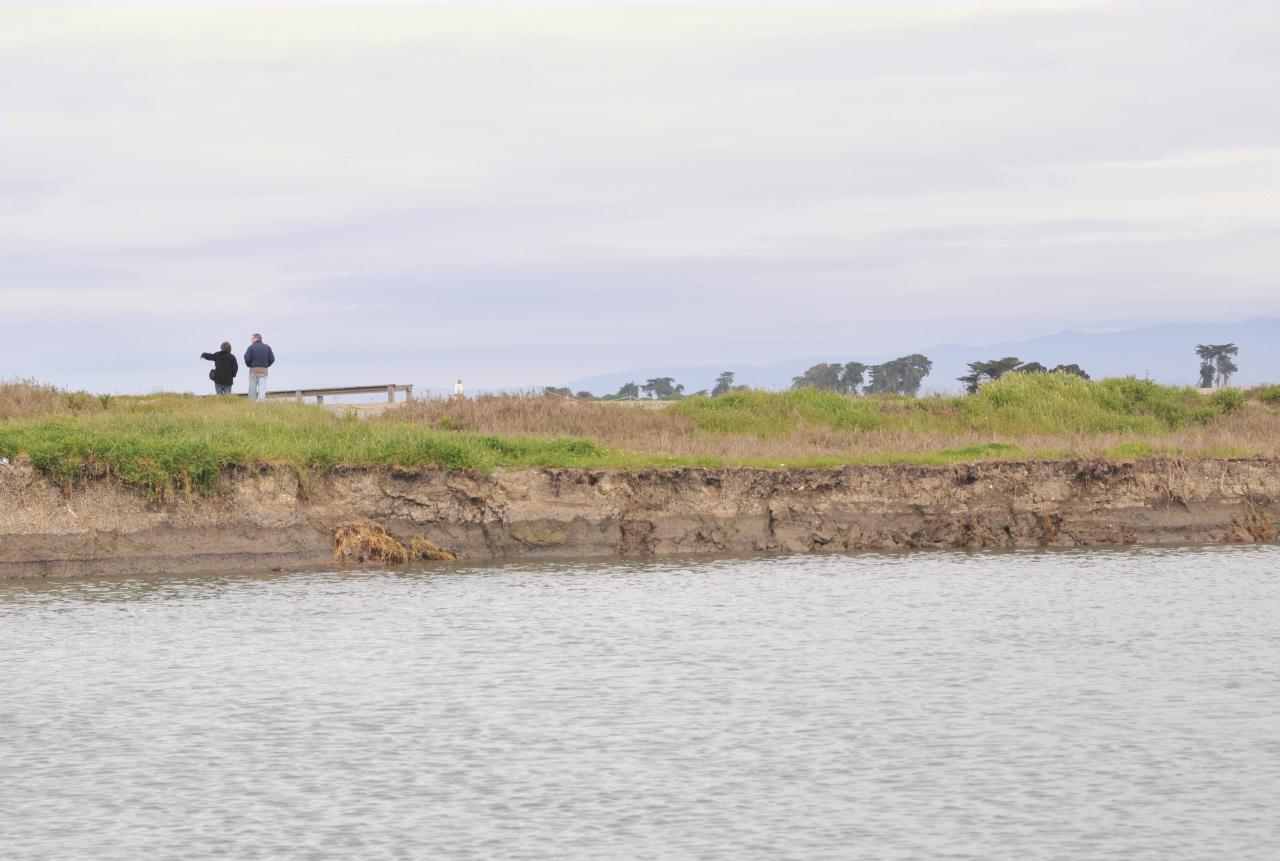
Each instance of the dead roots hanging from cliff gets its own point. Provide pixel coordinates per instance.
(369, 542)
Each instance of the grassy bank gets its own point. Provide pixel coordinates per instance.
(176, 443)
(1041, 415)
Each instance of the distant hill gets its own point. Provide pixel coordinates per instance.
(1165, 353)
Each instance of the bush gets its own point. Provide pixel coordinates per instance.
(1227, 400)
(1269, 395)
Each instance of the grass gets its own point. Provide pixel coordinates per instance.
(1018, 405)
(173, 443)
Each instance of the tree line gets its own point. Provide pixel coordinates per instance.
(901, 376)
(994, 369)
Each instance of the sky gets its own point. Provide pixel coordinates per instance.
(524, 195)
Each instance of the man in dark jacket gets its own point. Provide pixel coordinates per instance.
(257, 359)
(224, 370)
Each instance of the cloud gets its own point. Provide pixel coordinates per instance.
(528, 195)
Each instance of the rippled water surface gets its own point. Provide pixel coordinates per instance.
(1029, 705)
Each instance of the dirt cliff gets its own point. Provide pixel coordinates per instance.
(271, 519)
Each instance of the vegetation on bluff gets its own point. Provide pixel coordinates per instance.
(172, 443)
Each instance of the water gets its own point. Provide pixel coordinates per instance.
(1029, 705)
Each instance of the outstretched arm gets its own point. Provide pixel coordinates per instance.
(208, 356)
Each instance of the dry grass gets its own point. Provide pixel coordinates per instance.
(522, 415)
(369, 542)
(21, 399)
(1254, 429)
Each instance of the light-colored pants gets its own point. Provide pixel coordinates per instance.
(257, 387)
(220, 389)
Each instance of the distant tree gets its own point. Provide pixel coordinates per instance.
(902, 376)
(992, 369)
(1207, 373)
(1207, 370)
(627, 391)
(1031, 368)
(1073, 369)
(824, 376)
(554, 392)
(997, 368)
(1224, 364)
(911, 373)
(851, 377)
(1216, 364)
(586, 396)
(663, 388)
(724, 383)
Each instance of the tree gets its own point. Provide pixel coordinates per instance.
(554, 392)
(1207, 373)
(586, 396)
(1224, 365)
(724, 383)
(824, 376)
(992, 369)
(1216, 364)
(1031, 368)
(851, 377)
(1207, 370)
(911, 371)
(901, 376)
(1073, 369)
(663, 388)
(627, 392)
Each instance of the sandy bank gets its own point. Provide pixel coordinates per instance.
(270, 520)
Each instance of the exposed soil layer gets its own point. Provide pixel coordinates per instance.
(271, 520)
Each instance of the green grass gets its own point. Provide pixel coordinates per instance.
(175, 444)
(1019, 404)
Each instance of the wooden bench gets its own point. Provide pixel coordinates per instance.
(319, 394)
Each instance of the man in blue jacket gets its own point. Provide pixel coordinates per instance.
(257, 359)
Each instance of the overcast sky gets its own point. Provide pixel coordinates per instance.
(522, 196)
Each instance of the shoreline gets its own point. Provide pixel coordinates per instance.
(271, 520)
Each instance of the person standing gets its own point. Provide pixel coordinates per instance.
(224, 370)
(257, 359)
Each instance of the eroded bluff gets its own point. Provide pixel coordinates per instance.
(272, 520)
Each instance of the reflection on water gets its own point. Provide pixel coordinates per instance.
(1023, 705)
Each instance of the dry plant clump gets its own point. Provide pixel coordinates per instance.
(421, 548)
(369, 542)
